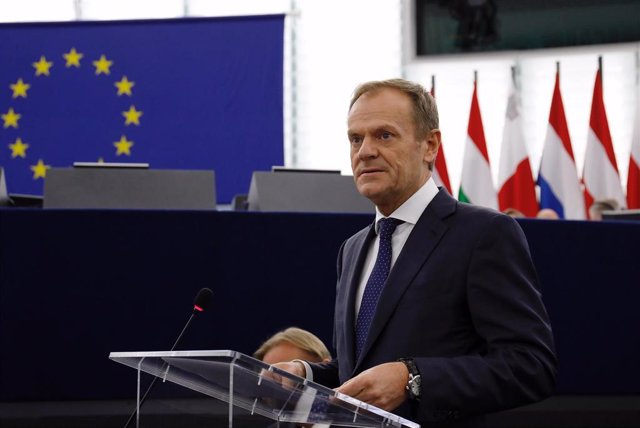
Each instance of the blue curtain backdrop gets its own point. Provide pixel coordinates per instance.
(177, 94)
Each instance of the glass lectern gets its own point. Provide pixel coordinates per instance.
(246, 383)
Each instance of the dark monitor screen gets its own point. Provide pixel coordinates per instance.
(627, 215)
(110, 165)
(465, 26)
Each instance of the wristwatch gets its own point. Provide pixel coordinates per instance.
(414, 385)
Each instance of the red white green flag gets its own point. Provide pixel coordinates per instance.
(476, 186)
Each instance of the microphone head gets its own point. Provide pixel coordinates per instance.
(202, 300)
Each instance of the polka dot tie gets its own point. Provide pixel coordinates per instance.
(319, 408)
(376, 281)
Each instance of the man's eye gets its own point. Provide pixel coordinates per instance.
(385, 135)
(355, 139)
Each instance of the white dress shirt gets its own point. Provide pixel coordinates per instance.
(409, 212)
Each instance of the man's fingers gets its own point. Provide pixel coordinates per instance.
(353, 387)
(382, 386)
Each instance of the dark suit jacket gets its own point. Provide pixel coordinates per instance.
(462, 299)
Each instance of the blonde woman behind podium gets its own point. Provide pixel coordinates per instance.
(295, 344)
(290, 344)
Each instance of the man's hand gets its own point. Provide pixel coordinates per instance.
(383, 385)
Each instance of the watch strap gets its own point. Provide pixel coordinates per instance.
(414, 386)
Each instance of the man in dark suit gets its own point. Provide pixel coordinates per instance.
(458, 328)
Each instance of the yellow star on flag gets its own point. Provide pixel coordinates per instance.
(40, 169)
(102, 65)
(123, 147)
(11, 118)
(20, 89)
(73, 58)
(42, 66)
(124, 86)
(18, 149)
(132, 116)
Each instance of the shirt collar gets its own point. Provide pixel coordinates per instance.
(411, 210)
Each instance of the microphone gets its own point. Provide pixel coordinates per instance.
(200, 304)
(202, 300)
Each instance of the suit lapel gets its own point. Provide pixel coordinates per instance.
(423, 239)
(352, 265)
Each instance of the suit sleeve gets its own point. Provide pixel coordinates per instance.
(327, 374)
(518, 365)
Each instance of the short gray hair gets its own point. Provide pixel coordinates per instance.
(425, 111)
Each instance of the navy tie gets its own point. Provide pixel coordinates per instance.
(376, 281)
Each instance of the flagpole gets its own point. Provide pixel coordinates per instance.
(600, 71)
(600, 64)
(433, 85)
(516, 74)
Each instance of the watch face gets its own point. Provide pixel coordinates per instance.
(414, 385)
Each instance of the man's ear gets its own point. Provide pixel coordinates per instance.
(433, 144)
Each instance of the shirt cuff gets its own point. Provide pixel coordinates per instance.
(308, 372)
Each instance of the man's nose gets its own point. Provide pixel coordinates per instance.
(367, 148)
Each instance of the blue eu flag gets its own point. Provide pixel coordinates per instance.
(177, 94)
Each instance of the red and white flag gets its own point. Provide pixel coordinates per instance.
(476, 186)
(560, 188)
(633, 179)
(515, 180)
(440, 174)
(600, 174)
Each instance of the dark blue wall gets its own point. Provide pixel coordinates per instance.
(76, 285)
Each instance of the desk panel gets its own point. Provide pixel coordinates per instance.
(75, 285)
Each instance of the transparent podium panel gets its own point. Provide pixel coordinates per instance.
(252, 387)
